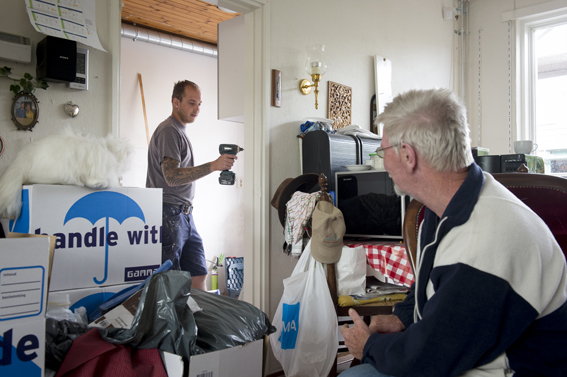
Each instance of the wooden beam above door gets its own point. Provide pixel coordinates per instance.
(193, 19)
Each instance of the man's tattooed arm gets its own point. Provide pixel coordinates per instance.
(176, 176)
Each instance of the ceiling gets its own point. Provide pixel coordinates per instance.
(194, 19)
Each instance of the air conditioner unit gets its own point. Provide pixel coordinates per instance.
(15, 48)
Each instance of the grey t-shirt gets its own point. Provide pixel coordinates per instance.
(170, 140)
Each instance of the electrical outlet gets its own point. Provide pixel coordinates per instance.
(238, 182)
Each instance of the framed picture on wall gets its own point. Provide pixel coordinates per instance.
(25, 111)
(276, 88)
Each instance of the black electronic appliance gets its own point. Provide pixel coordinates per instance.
(326, 153)
(506, 163)
(511, 162)
(490, 164)
(369, 204)
(56, 60)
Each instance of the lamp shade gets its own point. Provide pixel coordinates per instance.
(315, 63)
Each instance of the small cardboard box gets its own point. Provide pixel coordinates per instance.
(240, 361)
(22, 346)
(120, 317)
(104, 237)
(23, 278)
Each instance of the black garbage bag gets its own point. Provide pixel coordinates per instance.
(59, 336)
(227, 322)
(163, 319)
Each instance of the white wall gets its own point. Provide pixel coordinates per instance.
(413, 36)
(488, 105)
(95, 116)
(218, 209)
(488, 39)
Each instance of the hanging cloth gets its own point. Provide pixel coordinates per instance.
(298, 213)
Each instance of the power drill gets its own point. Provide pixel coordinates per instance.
(226, 176)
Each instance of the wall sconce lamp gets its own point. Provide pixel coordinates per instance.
(316, 66)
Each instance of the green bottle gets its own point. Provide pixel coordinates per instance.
(214, 279)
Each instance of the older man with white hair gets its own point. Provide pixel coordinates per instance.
(491, 286)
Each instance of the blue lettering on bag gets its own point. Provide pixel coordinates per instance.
(290, 319)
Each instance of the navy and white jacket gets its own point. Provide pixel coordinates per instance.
(489, 297)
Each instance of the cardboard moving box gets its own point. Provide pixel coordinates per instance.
(104, 237)
(22, 345)
(52, 240)
(241, 361)
(24, 270)
(23, 278)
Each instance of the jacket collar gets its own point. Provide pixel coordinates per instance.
(457, 213)
(462, 204)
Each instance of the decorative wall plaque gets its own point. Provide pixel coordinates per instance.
(340, 104)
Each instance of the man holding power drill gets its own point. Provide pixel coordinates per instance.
(171, 168)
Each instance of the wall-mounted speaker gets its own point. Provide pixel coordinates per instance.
(56, 59)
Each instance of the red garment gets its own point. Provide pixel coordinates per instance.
(92, 356)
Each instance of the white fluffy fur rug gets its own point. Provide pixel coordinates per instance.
(68, 158)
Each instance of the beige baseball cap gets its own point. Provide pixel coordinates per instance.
(328, 226)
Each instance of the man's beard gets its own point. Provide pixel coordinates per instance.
(398, 191)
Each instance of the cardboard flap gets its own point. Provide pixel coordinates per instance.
(52, 240)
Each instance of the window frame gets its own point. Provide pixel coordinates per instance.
(526, 26)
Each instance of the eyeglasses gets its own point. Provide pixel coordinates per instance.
(380, 151)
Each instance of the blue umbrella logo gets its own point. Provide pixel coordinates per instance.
(104, 205)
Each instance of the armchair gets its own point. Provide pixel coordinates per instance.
(546, 195)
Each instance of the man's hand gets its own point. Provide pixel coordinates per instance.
(386, 324)
(224, 162)
(357, 335)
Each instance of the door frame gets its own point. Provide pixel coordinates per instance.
(256, 284)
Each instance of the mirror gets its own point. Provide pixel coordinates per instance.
(25, 111)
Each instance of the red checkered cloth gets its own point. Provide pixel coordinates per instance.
(389, 258)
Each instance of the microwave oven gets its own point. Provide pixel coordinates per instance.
(369, 204)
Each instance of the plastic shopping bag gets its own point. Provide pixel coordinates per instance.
(306, 340)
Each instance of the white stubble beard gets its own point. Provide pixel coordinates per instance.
(399, 191)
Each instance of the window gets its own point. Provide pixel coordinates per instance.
(543, 85)
(550, 95)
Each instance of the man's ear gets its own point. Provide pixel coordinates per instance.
(175, 102)
(408, 156)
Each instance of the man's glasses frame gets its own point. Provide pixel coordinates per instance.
(380, 151)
